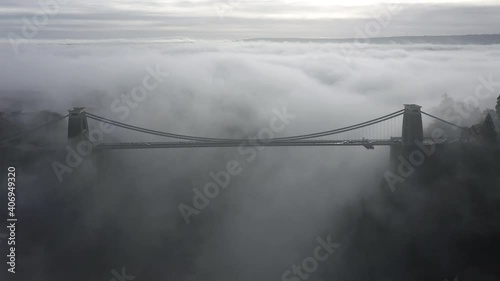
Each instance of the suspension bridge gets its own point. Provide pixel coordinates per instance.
(387, 130)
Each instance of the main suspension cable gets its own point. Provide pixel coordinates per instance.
(291, 138)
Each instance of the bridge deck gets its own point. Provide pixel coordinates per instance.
(369, 144)
(253, 143)
(191, 144)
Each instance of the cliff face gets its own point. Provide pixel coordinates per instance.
(440, 223)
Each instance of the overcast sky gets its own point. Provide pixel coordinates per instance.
(240, 19)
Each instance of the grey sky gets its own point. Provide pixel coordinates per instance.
(239, 19)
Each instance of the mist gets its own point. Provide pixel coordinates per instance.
(270, 215)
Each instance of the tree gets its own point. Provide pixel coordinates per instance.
(489, 132)
(498, 108)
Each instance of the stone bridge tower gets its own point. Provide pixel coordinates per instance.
(412, 125)
(78, 127)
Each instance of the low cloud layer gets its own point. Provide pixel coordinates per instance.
(334, 79)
